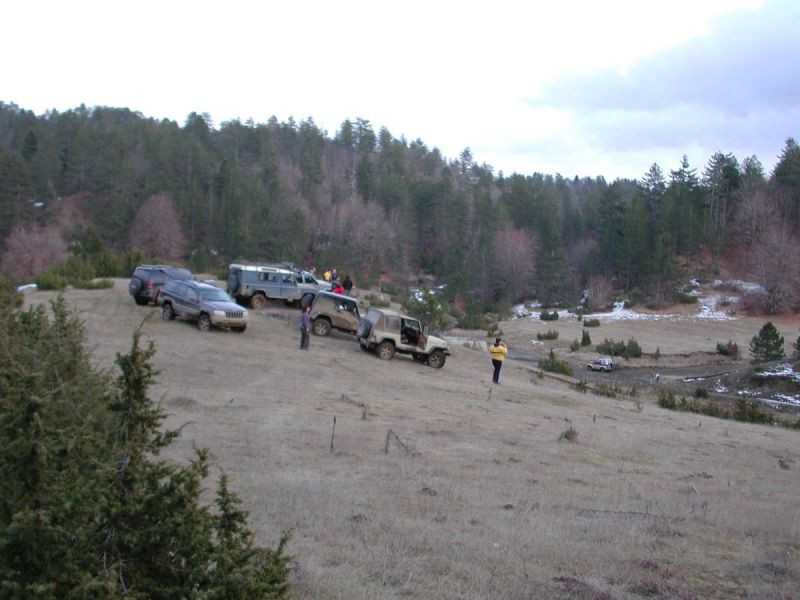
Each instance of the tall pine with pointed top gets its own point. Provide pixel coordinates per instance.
(767, 345)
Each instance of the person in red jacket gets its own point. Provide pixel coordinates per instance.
(339, 289)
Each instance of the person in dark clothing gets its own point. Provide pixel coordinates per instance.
(347, 284)
(305, 328)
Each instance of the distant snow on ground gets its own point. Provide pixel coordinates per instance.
(781, 370)
(707, 308)
(791, 399)
(620, 313)
(744, 286)
(532, 312)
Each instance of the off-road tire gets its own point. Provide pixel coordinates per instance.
(204, 323)
(258, 302)
(385, 350)
(233, 284)
(437, 359)
(306, 300)
(364, 328)
(167, 313)
(321, 327)
(135, 286)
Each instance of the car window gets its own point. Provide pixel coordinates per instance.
(215, 296)
(391, 323)
(412, 324)
(178, 274)
(288, 278)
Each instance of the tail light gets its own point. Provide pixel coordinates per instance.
(149, 285)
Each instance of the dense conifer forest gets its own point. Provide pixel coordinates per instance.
(373, 204)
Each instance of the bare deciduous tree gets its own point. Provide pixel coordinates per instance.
(756, 213)
(600, 291)
(514, 258)
(156, 229)
(774, 264)
(29, 251)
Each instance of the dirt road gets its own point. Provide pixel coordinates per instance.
(437, 484)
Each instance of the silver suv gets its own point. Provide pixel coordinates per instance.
(603, 364)
(254, 284)
(201, 302)
(387, 332)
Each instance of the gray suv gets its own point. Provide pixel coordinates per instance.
(254, 284)
(147, 280)
(201, 302)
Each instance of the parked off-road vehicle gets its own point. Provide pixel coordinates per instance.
(604, 364)
(147, 280)
(254, 284)
(387, 331)
(201, 302)
(333, 311)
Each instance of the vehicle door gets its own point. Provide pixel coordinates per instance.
(177, 294)
(289, 289)
(346, 315)
(410, 334)
(192, 303)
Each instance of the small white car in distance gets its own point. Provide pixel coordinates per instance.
(604, 364)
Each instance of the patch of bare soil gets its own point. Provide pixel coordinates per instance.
(438, 484)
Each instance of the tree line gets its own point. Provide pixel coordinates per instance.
(373, 203)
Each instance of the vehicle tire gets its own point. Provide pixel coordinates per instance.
(258, 302)
(385, 350)
(204, 323)
(306, 300)
(239, 329)
(135, 287)
(417, 356)
(364, 328)
(321, 327)
(363, 347)
(167, 313)
(141, 301)
(437, 359)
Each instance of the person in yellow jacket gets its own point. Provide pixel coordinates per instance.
(498, 352)
(327, 276)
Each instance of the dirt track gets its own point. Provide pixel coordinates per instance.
(476, 496)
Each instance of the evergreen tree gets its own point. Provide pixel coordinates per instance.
(767, 345)
(87, 509)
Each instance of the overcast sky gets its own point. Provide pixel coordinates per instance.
(572, 87)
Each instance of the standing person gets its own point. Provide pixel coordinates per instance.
(498, 353)
(338, 288)
(347, 284)
(327, 275)
(334, 275)
(305, 327)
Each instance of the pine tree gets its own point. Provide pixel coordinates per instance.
(767, 345)
(86, 507)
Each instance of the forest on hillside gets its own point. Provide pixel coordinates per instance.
(372, 204)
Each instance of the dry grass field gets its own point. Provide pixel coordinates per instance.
(475, 496)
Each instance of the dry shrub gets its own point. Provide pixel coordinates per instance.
(32, 250)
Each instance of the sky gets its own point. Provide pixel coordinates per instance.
(575, 87)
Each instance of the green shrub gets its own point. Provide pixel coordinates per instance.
(633, 349)
(591, 323)
(548, 316)
(687, 298)
(611, 348)
(607, 389)
(701, 392)
(581, 386)
(51, 280)
(575, 345)
(657, 353)
(552, 334)
(9, 297)
(731, 349)
(555, 365)
(428, 308)
(586, 339)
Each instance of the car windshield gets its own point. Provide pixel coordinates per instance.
(215, 296)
